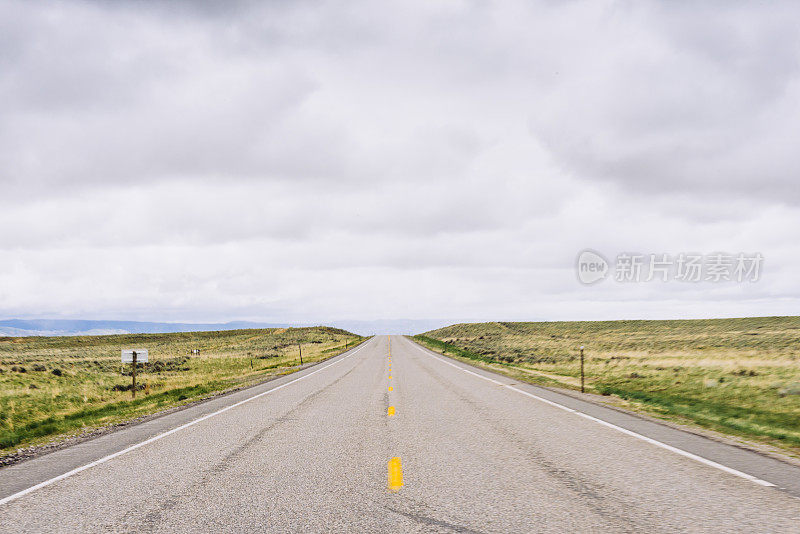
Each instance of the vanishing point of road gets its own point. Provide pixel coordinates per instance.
(390, 437)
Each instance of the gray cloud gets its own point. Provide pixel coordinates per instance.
(683, 98)
(312, 161)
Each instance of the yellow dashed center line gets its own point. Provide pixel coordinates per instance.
(395, 467)
(395, 474)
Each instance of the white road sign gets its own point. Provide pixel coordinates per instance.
(127, 355)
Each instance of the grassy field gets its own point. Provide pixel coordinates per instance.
(53, 386)
(737, 376)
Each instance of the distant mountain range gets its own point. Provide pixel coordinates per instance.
(70, 327)
(81, 327)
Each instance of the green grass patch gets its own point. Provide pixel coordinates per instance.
(447, 348)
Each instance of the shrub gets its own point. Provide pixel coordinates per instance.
(127, 387)
(160, 366)
(9, 439)
(57, 372)
(791, 389)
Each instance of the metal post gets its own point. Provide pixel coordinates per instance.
(299, 346)
(582, 389)
(133, 375)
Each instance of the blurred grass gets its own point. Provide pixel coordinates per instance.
(53, 386)
(738, 376)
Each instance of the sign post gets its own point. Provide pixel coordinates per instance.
(582, 390)
(133, 376)
(134, 356)
(299, 346)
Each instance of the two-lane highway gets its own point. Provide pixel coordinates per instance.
(392, 438)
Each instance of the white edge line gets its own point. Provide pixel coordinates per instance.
(77, 470)
(631, 433)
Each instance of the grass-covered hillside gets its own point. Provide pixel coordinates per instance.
(60, 385)
(740, 376)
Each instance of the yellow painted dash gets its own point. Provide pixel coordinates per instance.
(390, 388)
(390, 377)
(395, 474)
(391, 411)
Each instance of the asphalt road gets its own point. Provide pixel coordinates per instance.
(464, 451)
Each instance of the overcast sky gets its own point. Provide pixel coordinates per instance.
(313, 161)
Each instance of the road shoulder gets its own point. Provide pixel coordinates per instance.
(780, 471)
